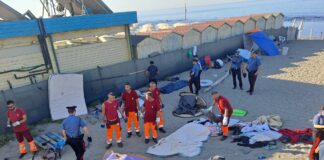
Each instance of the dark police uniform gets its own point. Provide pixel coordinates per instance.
(236, 70)
(318, 120)
(253, 66)
(72, 125)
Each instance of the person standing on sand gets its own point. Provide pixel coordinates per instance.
(150, 109)
(17, 119)
(225, 109)
(157, 96)
(253, 69)
(71, 132)
(236, 69)
(318, 124)
(131, 105)
(110, 112)
(152, 72)
(194, 77)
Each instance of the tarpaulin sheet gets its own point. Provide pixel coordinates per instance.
(66, 90)
(265, 43)
(186, 141)
(173, 86)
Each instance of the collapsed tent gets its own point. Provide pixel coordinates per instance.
(173, 86)
(190, 105)
(186, 141)
(265, 43)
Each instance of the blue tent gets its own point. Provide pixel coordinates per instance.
(265, 43)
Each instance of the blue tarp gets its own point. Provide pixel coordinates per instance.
(265, 43)
(173, 86)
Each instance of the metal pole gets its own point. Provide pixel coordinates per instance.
(311, 33)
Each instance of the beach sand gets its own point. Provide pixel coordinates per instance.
(291, 86)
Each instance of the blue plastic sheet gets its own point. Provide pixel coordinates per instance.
(169, 88)
(265, 43)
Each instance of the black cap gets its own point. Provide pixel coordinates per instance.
(111, 94)
(71, 107)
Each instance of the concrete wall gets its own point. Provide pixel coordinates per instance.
(172, 42)
(147, 46)
(249, 25)
(237, 28)
(270, 23)
(18, 53)
(279, 21)
(209, 35)
(224, 32)
(261, 23)
(190, 39)
(97, 82)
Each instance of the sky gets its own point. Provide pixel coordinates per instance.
(122, 5)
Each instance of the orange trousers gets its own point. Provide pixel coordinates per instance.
(161, 122)
(132, 118)
(23, 150)
(110, 130)
(150, 126)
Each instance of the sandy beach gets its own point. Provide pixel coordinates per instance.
(291, 86)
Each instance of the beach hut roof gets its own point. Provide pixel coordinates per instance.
(159, 35)
(182, 30)
(243, 19)
(278, 14)
(217, 24)
(201, 26)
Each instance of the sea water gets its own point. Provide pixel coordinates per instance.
(311, 11)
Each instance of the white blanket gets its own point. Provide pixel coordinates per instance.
(66, 90)
(186, 141)
(260, 133)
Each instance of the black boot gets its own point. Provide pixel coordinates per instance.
(138, 134)
(162, 130)
(234, 87)
(120, 144)
(223, 138)
(155, 140)
(129, 134)
(109, 146)
(22, 155)
(147, 141)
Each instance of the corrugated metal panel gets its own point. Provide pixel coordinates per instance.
(148, 46)
(191, 38)
(75, 59)
(88, 33)
(18, 29)
(172, 42)
(65, 24)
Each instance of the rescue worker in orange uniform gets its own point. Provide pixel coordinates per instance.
(157, 96)
(131, 105)
(110, 112)
(17, 119)
(225, 109)
(150, 109)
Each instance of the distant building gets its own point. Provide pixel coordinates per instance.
(237, 26)
(191, 36)
(260, 21)
(279, 20)
(224, 29)
(270, 23)
(208, 32)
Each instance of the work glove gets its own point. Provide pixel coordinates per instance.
(17, 123)
(89, 139)
(225, 121)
